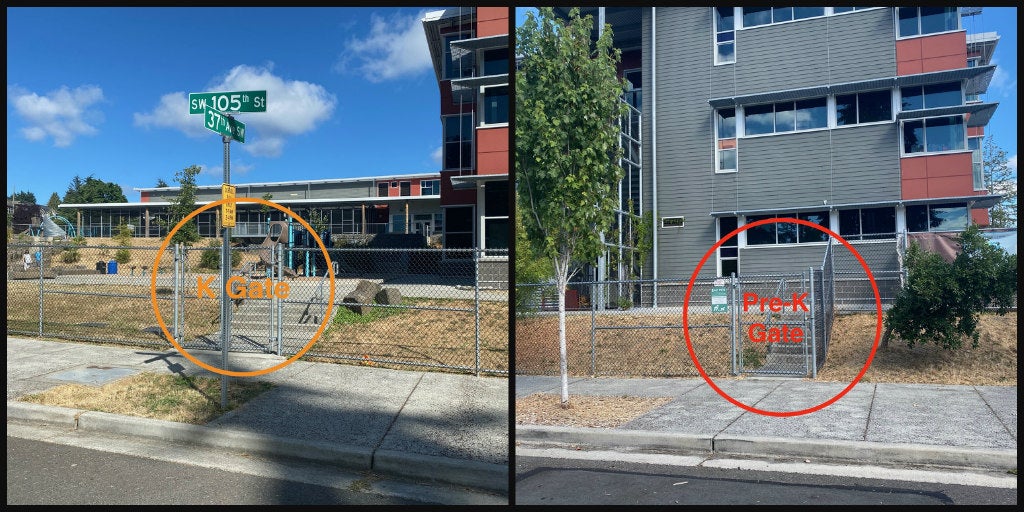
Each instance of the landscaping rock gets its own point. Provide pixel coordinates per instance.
(389, 297)
(362, 297)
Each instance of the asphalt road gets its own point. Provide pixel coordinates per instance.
(547, 481)
(46, 473)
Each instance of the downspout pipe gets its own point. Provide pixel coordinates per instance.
(654, 147)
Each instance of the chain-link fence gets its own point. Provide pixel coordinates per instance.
(420, 308)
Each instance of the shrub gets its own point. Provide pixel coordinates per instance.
(123, 256)
(70, 255)
(210, 258)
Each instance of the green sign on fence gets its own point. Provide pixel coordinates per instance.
(719, 299)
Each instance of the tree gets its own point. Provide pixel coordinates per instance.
(92, 190)
(23, 197)
(182, 205)
(567, 108)
(53, 203)
(160, 183)
(530, 268)
(1000, 179)
(943, 301)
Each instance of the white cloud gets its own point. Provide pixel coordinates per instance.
(395, 47)
(435, 155)
(1003, 83)
(294, 107)
(63, 114)
(1012, 163)
(217, 171)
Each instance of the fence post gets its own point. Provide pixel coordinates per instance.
(40, 290)
(593, 334)
(476, 306)
(175, 286)
(733, 321)
(814, 331)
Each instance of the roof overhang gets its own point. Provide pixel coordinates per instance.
(983, 44)
(464, 47)
(472, 181)
(980, 113)
(369, 179)
(351, 200)
(464, 88)
(434, 22)
(982, 201)
(977, 80)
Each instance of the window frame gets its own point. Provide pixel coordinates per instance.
(920, 33)
(718, 142)
(481, 106)
(445, 143)
(924, 96)
(733, 244)
(796, 229)
(715, 32)
(856, 95)
(860, 235)
(446, 52)
(924, 141)
(977, 159)
(928, 214)
(435, 187)
(774, 117)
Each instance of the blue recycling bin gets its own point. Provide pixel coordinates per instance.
(112, 267)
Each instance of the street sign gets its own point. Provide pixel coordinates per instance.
(235, 101)
(228, 209)
(225, 125)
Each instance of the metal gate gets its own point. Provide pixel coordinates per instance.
(773, 324)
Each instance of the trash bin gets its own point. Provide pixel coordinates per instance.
(101, 267)
(112, 267)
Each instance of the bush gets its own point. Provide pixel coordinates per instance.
(70, 255)
(210, 258)
(123, 256)
(942, 301)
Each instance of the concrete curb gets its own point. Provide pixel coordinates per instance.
(820, 450)
(472, 473)
(467, 473)
(633, 440)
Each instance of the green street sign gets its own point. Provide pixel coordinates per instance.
(236, 101)
(224, 125)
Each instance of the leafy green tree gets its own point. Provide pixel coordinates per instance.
(90, 190)
(530, 268)
(182, 205)
(942, 301)
(23, 197)
(160, 183)
(1000, 179)
(53, 203)
(567, 108)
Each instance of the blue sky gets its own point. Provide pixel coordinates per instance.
(103, 91)
(1002, 89)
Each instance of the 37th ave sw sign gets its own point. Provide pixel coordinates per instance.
(230, 102)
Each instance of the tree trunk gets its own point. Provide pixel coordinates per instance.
(562, 276)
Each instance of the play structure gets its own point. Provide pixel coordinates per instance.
(311, 263)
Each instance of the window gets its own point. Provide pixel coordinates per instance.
(430, 187)
(977, 163)
(786, 117)
(397, 223)
(405, 188)
(864, 107)
(788, 232)
(914, 21)
(495, 220)
(382, 190)
(867, 223)
(495, 104)
(841, 10)
(755, 16)
(673, 222)
(728, 252)
(458, 141)
(934, 134)
(725, 145)
(458, 230)
(931, 96)
(725, 35)
(937, 217)
(496, 61)
(459, 68)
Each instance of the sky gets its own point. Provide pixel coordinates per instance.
(351, 92)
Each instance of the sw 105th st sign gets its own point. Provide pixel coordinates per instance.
(230, 102)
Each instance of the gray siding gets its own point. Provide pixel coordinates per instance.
(865, 164)
(685, 145)
(767, 259)
(342, 190)
(783, 170)
(862, 46)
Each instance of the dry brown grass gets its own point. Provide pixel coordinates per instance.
(663, 353)
(583, 411)
(423, 335)
(148, 395)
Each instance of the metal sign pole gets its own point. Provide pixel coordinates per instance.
(225, 272)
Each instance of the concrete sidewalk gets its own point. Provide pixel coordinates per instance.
(887, 424)
(420, 425)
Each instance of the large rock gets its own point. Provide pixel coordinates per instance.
(361, 299)
(389, 297)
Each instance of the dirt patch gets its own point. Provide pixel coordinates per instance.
(583, 411)
(166, 397)
(622, 350)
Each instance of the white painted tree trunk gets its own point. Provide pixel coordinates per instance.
(562, 277)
